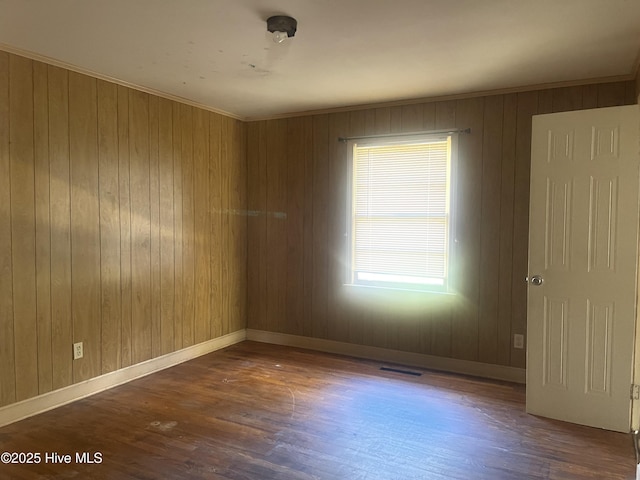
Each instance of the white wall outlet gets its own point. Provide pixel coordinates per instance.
(77, 351)
(518, 340)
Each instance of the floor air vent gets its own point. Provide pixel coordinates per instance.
(398, 370)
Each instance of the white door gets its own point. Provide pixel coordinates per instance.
(583, 245)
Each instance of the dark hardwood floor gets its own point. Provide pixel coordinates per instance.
(257, 411)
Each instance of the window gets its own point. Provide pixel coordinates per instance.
(400, 224)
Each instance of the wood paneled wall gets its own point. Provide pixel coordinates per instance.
(297, 199)
(122, 225)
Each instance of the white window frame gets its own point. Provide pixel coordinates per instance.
(449, 282)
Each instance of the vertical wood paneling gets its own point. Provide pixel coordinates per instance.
(429, 115)
(202, 325)
(43, 225)
(631, 96)
(7, 351)
(396, 120)
(566, 99)
(140, 227)
(238, 227)
(188, 227)
(337, 328)
(124, 177)
(109, 226)
(60, 212)
(507, 173)
(490, 231)
(178, 331)
(23, 227)
(612, 94)
(469, 114)
(167, 222)
(216, 232)
(257, 224)
(294, 172)
(382, 122)
(276, 223)
(225, 262)
(545, 100)
(445, 115)
(320, 227)
(589, 96)
(85, 224)
(412, 118)
(94, 212)
(307, 220)
(369, 121)
(527, 107)
(154, 224)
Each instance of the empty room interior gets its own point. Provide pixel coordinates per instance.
(319, 240)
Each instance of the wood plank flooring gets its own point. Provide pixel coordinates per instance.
(257, 411)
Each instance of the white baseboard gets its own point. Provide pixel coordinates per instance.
(42, 403)
(486, 370)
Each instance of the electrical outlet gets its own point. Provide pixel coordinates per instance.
(77, 351)
(518, 340)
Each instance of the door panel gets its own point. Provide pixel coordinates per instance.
(599, 335)
(603, 206)
(583, 244)
(555, 342)
(558, 224)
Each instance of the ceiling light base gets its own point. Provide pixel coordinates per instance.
(282, 23)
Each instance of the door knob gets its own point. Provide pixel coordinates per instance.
(536, 280)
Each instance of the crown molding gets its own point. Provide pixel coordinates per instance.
(443, 98)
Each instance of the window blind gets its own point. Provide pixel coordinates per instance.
(400, 212)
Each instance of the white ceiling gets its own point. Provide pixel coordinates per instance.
(347, 52)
